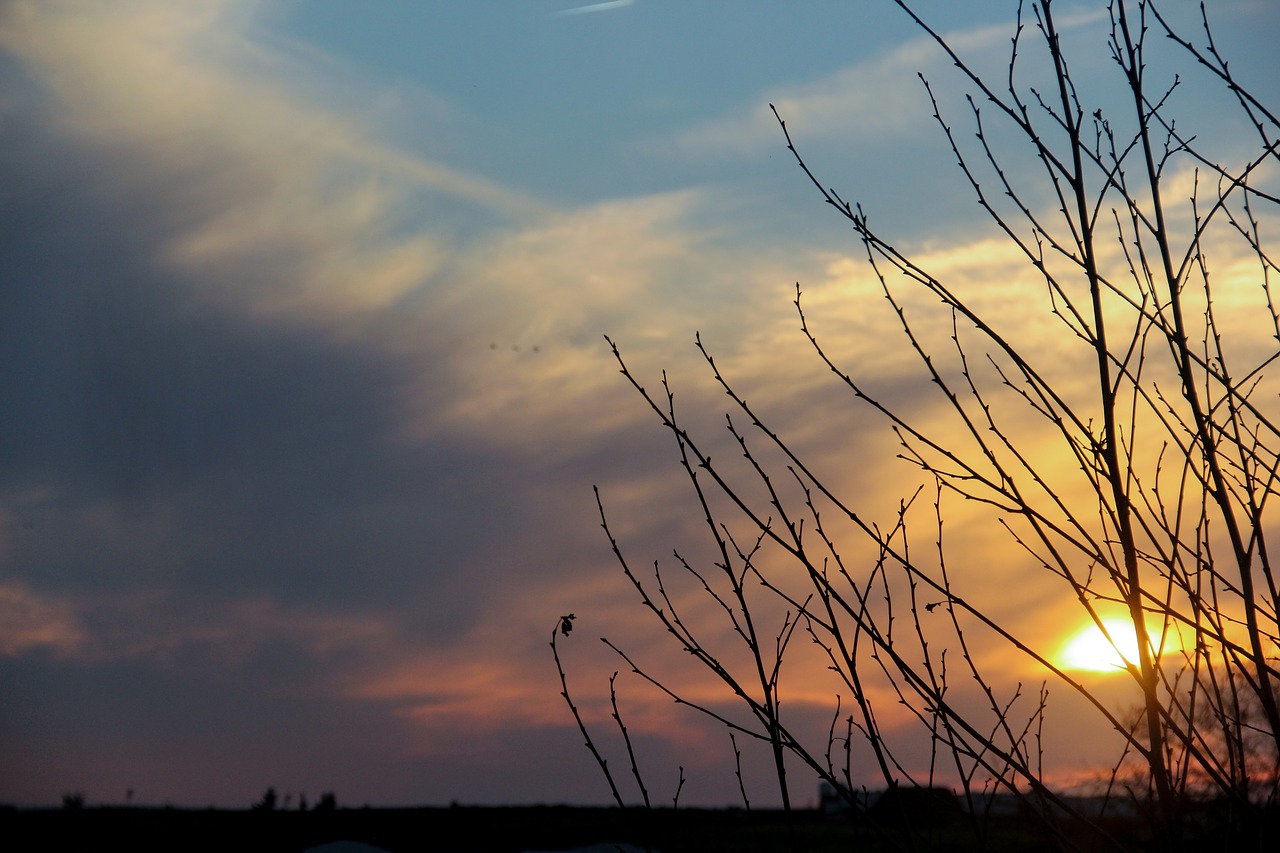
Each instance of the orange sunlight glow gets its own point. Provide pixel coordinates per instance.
(1089, 649)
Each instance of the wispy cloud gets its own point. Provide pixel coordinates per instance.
(30, 621)
(877, 99)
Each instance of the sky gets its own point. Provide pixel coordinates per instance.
(303, 382)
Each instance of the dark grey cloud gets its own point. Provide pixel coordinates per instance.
(119, 386)
(165, 456)
(235, 513)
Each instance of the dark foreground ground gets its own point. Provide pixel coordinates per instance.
(500, 830)
(513, 829)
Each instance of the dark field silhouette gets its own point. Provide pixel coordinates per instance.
(935, 823)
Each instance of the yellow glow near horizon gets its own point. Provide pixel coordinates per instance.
(1090, 650)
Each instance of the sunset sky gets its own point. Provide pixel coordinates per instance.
(303, 383)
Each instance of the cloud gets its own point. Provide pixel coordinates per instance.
(247, 354)
(29, 621)
(260, 171)
(878, 101)
(875, 100)
(202, 271)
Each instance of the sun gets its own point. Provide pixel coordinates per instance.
(1090, 650)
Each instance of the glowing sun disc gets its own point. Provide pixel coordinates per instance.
(1089, 649)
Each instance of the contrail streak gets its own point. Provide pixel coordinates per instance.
(594, 7)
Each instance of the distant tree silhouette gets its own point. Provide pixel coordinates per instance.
(268, 802)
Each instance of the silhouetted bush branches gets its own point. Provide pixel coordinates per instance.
(1130, 459)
